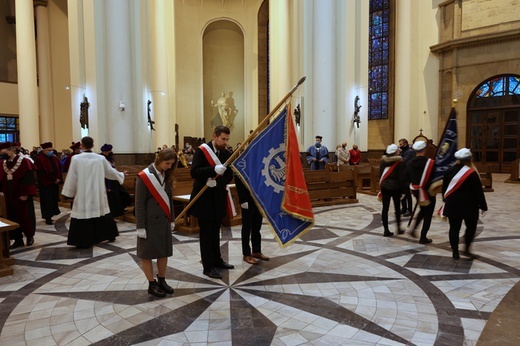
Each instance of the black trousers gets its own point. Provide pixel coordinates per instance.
(395, 195)
(425, 215)
(251, 224)
(209, 240)
(470, 220)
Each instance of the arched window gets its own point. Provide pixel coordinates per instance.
(379, 59)
(493, 118)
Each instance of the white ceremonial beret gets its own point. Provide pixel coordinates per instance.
(419, 145)
(391, 149)
(463, 154)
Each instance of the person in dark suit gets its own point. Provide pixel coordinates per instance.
(419, 171)
(209, 209)
(251, 225)
(463, 197)
(393, 185)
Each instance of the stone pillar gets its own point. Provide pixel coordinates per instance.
(44, 72)
(120, 106)
(26, 65)
(280, 56)
(403, 71)
(324, 110)
(159, 77)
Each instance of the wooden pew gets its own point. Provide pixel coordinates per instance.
(515, 171)
(375, 175)
(6, 261)
(362, 177)
(331, 188)
(485, 176)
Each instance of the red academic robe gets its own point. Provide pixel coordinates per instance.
(21, 184)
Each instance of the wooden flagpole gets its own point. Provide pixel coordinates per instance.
(248, 139)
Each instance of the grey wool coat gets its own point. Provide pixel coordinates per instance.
(150, 216)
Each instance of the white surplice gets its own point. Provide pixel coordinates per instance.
(85, 181)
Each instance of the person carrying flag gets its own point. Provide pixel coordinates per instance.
(393, 185)
(463, 197)
(210, 208)
(420, 173)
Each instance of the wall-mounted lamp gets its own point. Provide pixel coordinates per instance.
(122, 106)
(357, 107)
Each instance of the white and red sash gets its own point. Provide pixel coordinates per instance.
(424, 197)
(386, 173)
(157, 191)
(455, 183)
(213, 161)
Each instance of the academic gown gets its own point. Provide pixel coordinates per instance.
(21, 184)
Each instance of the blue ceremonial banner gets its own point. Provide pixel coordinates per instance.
(262, 168)
(445, 157)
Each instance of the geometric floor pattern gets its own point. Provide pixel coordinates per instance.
(342, 283)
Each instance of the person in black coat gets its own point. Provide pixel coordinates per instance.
(419, 171)
(407, 153)
(463, 197)
(211, 207)
(251, 225)
(393, 185)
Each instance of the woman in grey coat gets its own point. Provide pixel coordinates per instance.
(154, 219)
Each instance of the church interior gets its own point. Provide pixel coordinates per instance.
(146, 73)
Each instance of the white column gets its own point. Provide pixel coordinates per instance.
(26, 65)
(159, 77)
(119, 77)
(403, 71)
(44, 73)
(280, 55)
(324, 71)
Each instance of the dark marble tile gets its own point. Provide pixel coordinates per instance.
(439, 263)
(318, 233)
(63, 253)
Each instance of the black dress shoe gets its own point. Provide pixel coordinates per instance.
(388, 234)
(456, 255)
(212, 273)
(224, 265)
(48, 222)
(17, 244)
(425, 241)
(469, 254)
(165, 287)
(155, 290)
(30, 241)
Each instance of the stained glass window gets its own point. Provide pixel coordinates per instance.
(378, 59)
(497, 91)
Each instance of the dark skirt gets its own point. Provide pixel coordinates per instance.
(86, 232)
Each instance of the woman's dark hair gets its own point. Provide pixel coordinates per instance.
(166, 155)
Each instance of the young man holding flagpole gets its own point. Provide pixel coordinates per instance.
(212, 205)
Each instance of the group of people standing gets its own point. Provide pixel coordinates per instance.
(318, 155)
(407, 170)
(91, 220)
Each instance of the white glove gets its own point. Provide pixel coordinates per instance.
(172, 225)
(245, 205)
(141, 233)
(220, 169)
(211, 182)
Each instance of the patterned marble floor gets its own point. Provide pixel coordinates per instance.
(343, 283)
